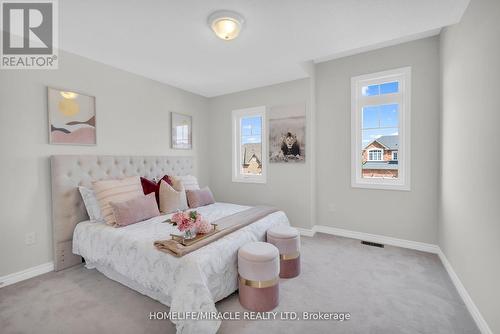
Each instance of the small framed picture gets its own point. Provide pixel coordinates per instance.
(181, 131)
(72, 118)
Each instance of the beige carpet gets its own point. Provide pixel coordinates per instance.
(389, 290)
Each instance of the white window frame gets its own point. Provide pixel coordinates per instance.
(392, 157)
(236, 143)
(375, 149)
(358, 102)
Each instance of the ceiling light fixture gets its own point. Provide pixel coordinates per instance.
(226, 24)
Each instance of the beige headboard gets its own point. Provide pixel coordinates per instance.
(70, 171)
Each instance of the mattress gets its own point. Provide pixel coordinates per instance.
(192, 283)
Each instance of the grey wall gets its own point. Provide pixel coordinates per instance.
(408, 215)
(287, 185)
(132, 119)
(470, 185)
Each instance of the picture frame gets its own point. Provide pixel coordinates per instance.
(71, 117)
(287, 133)
(181, 131)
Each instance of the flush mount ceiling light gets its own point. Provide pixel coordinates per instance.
(226, 24)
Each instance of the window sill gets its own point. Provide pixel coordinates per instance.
(249, 180)
(381, 186)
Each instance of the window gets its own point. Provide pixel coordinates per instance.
(249, 145)
(380, 142)
(394, 155)
(375, 155)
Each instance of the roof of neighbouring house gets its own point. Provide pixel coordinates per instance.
(380, 165)
(251, 150)
(390, 142)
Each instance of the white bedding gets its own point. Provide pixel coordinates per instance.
(191, 283)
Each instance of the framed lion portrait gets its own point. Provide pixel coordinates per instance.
(287, 134)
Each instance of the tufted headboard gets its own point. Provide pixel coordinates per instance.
(70, 171)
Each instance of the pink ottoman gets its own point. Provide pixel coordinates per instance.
(287, 240)
(258, 269)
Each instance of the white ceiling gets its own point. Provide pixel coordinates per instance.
(170, 41)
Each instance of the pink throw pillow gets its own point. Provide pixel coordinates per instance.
(135, 210)
(201, 197)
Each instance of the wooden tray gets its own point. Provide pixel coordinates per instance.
(200, 236)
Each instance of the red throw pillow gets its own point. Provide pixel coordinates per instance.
(149, 186)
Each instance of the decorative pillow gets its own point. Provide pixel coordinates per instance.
(149, 186)
(118, 190)
(172, 198)
(135, 210)
(91, 203)
(197, 198)
(188, 181)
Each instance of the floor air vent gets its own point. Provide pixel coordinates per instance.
(374, 244)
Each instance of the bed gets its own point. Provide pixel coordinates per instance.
(192, 283)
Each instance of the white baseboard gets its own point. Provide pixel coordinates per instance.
(421, 246)
(25, 274)
(305, 231)
(474, 311)
(424, 247)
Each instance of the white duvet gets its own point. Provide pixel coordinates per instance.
(192, 283)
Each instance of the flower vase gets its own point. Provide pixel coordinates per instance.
(189, 234)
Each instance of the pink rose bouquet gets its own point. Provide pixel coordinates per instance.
(186, 220)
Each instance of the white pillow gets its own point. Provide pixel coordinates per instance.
(172, 198)
(91, 204)
(188, 181)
